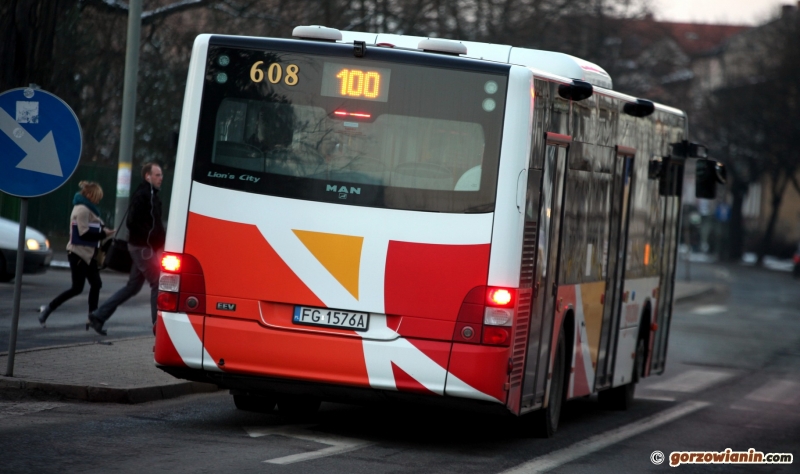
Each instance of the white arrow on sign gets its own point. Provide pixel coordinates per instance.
(42, 156)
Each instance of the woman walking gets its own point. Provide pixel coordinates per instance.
(86, 232)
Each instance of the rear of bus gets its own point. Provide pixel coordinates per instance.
(333, 218)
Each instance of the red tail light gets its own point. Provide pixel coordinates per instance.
(496, 335)
(167, 301)
(171, 263)
(182, 284)
(486, 316)
(500, 297)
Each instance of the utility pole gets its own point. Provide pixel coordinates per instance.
(128, 115)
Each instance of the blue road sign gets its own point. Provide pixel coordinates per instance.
(40, 142)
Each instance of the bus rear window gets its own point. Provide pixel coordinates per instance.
(376, 134)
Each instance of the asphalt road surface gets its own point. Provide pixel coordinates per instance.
(67, 325)
(733, 381)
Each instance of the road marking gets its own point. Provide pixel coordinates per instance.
(786, 392)
(16, 409)
(604, 440)
(710, 309)
(782, 412)
(338, 444)
(692, 381)
(654, 398)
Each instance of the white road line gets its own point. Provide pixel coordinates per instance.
(692, 381)
(333, 450)
(710, 309)
(654, 398)
(604, 440)
(338, 444)
(782, 412)
(786, 392)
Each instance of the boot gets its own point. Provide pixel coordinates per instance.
(97, 325)
(45, 310)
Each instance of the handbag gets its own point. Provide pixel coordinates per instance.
(117, 255)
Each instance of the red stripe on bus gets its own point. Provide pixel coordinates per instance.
(431, 280)
(164, 351)
(239, 262)
(407, 383)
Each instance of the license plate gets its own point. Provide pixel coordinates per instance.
(331, 318)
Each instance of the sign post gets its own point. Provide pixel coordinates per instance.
(41, 141)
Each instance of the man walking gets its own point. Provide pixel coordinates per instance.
(146, 235)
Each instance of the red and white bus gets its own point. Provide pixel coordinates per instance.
(378, 216)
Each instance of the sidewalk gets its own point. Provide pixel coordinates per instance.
(123, 371)
(118, 371)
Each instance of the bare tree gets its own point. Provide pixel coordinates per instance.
(754, 121)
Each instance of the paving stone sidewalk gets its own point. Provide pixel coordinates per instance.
(123, 371)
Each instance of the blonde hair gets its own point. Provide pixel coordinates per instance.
(91, 191)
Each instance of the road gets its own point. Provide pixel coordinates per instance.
(733, 381)
(68, 324)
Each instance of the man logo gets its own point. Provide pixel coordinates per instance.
(342, 190)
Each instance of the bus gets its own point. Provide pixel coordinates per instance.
(362, 217)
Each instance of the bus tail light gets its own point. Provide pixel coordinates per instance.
(496, 335)
(500, 297)
(171, 263)
(486, 316)
(167, 301)
(181, 285)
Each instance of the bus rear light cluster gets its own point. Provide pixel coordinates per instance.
(181, 286)
(167, 301)
(486, 316)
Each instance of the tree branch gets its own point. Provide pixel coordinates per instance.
(121, 8)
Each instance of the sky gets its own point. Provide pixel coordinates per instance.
(739, 12)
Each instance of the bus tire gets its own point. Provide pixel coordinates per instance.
(545, 421)
(254, 403)
(621, 398)
(298, 407)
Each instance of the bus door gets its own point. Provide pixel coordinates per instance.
(545, 270)
(670, 189)
(615, 279)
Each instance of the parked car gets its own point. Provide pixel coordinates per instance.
(796, 271)
(37, 250)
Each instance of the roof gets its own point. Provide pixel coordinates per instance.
(693, 38)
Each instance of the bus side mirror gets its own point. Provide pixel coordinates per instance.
(708, 174)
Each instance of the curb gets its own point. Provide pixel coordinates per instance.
(711, 290)
(109, 342)
(108, 394)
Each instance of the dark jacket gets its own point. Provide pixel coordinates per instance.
(145, 226)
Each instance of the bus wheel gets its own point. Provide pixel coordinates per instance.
(621, 398)
(254, 403)
(298, 406)
(546, 420)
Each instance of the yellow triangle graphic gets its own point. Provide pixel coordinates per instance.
(339, 254)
